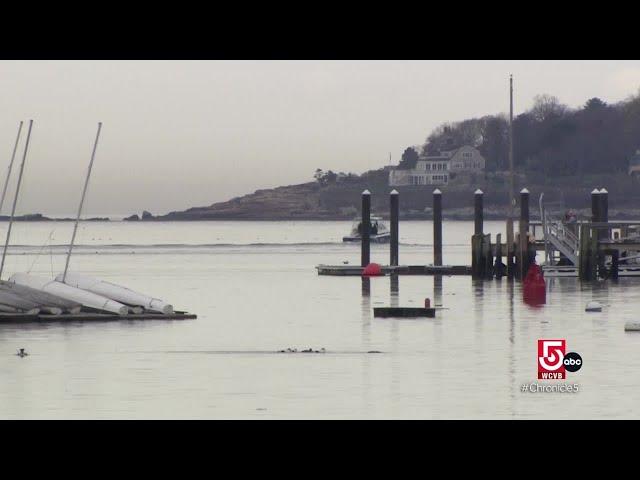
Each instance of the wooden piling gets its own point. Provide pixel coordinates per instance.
(604, 213)
(365, 252)
(523, 244)
(477, 262)
(510, 249)
(498, 266)
(437, 227)
(593, 255)
(583, 257)
(394, 205)
(487, 256)
(478, 214)
(478, 250)
(595, 205)
(614, 264)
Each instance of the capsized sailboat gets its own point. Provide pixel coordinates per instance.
(116, 292)
(47, 302)
(83, 297)
(68, 292)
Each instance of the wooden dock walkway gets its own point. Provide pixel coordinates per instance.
(356, 270)
(91, 317)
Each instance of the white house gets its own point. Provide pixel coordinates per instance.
(435, 169)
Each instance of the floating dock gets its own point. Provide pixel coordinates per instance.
(403, 312)
(91, 317)
(356, 270)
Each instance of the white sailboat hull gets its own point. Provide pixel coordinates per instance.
(88, 299)
(116, 292)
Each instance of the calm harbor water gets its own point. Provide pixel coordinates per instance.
(256, 291)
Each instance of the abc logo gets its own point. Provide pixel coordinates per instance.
(572, 362)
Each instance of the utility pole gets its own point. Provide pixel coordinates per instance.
(511, 175)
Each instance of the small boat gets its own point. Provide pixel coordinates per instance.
(378, 231)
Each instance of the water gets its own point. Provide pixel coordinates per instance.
(255, 290)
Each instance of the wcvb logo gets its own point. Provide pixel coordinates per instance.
(553, 363)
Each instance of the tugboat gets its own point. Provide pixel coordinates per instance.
(378, 231)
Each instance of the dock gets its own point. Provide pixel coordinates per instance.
(403, 312)
(588, 249)
(355, 270)
(91, 317)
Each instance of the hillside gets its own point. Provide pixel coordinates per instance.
(560, 151)
(313, 201)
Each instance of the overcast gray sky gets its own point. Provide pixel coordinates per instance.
(178, 134)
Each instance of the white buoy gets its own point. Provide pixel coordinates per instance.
(593, 307)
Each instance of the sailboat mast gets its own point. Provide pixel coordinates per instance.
(15, 198)
(84, 193)
(13, 156)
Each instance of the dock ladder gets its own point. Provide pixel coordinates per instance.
(559, 237)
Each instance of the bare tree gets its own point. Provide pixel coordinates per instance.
(546, 106)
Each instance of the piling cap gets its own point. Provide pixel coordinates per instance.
(366, 192)
(478, 192)
(595, 191)
(524, 190)
(394, 192)
(437, 192)
(603, 190)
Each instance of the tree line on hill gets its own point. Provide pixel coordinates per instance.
(549, 139)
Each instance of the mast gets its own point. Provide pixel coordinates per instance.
(15, 198)
(84, 192)
(13, 156)
(511, 180)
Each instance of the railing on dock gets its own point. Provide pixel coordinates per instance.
(561, 237)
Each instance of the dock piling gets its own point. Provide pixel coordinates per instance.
(615, 254)
(523, 250)
(604, 213)
(510, 250)
(437, 227)
(595, 205)
(498, 268)
(478, 259)
(478, 215)
(365, 252)
(394, 205)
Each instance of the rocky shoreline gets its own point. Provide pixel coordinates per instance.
(38, 217)
(341, 201)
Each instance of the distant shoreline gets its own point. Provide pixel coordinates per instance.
(38, 217)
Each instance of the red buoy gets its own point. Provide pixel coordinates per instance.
(534, 288)
(372, 270)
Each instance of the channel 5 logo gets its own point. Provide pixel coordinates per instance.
(553, 362)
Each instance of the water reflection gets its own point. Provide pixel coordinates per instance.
(437, 290)
(394, 290)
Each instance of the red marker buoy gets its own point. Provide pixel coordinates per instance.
(534, 288)
(372, 270)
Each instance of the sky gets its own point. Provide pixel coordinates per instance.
(178, 134)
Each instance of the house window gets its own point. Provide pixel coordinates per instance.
(467, 154)
(427, 166)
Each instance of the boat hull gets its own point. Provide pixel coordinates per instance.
(384, 238)
(116, 292)
(83, 297)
